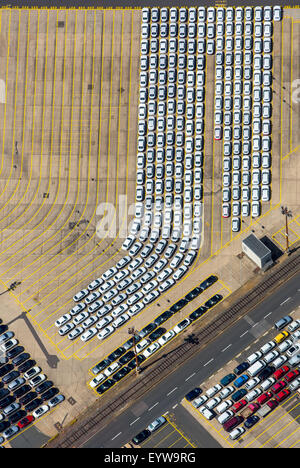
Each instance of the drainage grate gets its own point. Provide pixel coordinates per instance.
(72, 401)
(60, 24)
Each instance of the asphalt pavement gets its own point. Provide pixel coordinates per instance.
(171, 390)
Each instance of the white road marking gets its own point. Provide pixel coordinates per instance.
(134, 421)
(285, 301)
(208, 362)
(116, 436)
(192, 375)
(244, 333)
(268, 315)
(149, 409)
(226, 348)
(175, 406)
(172, 391)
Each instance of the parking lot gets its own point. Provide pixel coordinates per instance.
(277, 429)
(168, 436)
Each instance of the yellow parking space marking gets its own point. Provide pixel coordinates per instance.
(173, 424)
(290, 435)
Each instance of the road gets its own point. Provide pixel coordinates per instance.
(166, 395)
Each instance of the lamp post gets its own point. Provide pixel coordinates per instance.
(132, 332)
(288, 214)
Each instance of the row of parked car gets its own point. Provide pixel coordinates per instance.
(256, 386)
(242, 115)
(149, 340)
(25, 392)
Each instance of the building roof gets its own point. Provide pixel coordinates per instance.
(257, 246)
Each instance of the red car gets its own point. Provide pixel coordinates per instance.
(254, 407)
(278, 386)
(264, 397)
(272, 404)
(25, 421)
(239, 405)
(280, 372)
(292, 375)
(283, 395)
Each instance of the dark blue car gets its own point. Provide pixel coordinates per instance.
(227, 379)
(241, 368)
(251, 421)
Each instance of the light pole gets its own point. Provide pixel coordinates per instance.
(132, 332)
(288, 214)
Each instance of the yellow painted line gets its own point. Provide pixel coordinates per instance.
(290, 435)
(9, 200)
(180, 432)
(170, 446)
(297, 441)
(291, 101)
(74, 204)
(164, 438)
(270, 426)
(32, 145)
(6, 81)
(50, 167)
(107, 192)
(15, 109)
(291, 152)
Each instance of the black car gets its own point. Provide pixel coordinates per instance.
(17, 416)
(27, 365)
(241, 368)
(5, 369)
(141, 437)
(208, 282)
(148, 329)
(178, 305)
(126, 358)
(49, 394)
(100, 366)
(116, 354)
(3, 393)
(14, 352)
(251, 421)
(266, 372)
(129, 343)
(22, 390)
(3, 328)
(121, 373)
(163, 317)
(132, 364)
(27, 398)
(227, 379)
(4, 425)
(7, 401)
(193, 394)
(21, 358)
(192, 294)
(44, 386)
(239, 394)
(197, 313)
(1, 384)
(156, 334)
(213, 301)
(10, 377)
(33, 405)
(105, 386)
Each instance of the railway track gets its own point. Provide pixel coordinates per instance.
(173, 359)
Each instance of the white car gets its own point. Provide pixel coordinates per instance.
(78, 308)
(120, 320)
(166, 337)
(87, 335)
(111, 369)
(255, 209)
(235, 224)
(9, 345)
(63, 320)
(75, 333)
(191, 255)
(279, 361)
(151, 349)
(226, 392)
(105, 332)
(37, 380)
(81, 295)
(97, 380)
(80, 318)
(253, 394)
(136, 308)
(252, 383)
(199, 401)
(182, 325)
(267, 383)
(181, 271)
(66, 329)
(40, 411)
(32, 372)
(222, 407)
